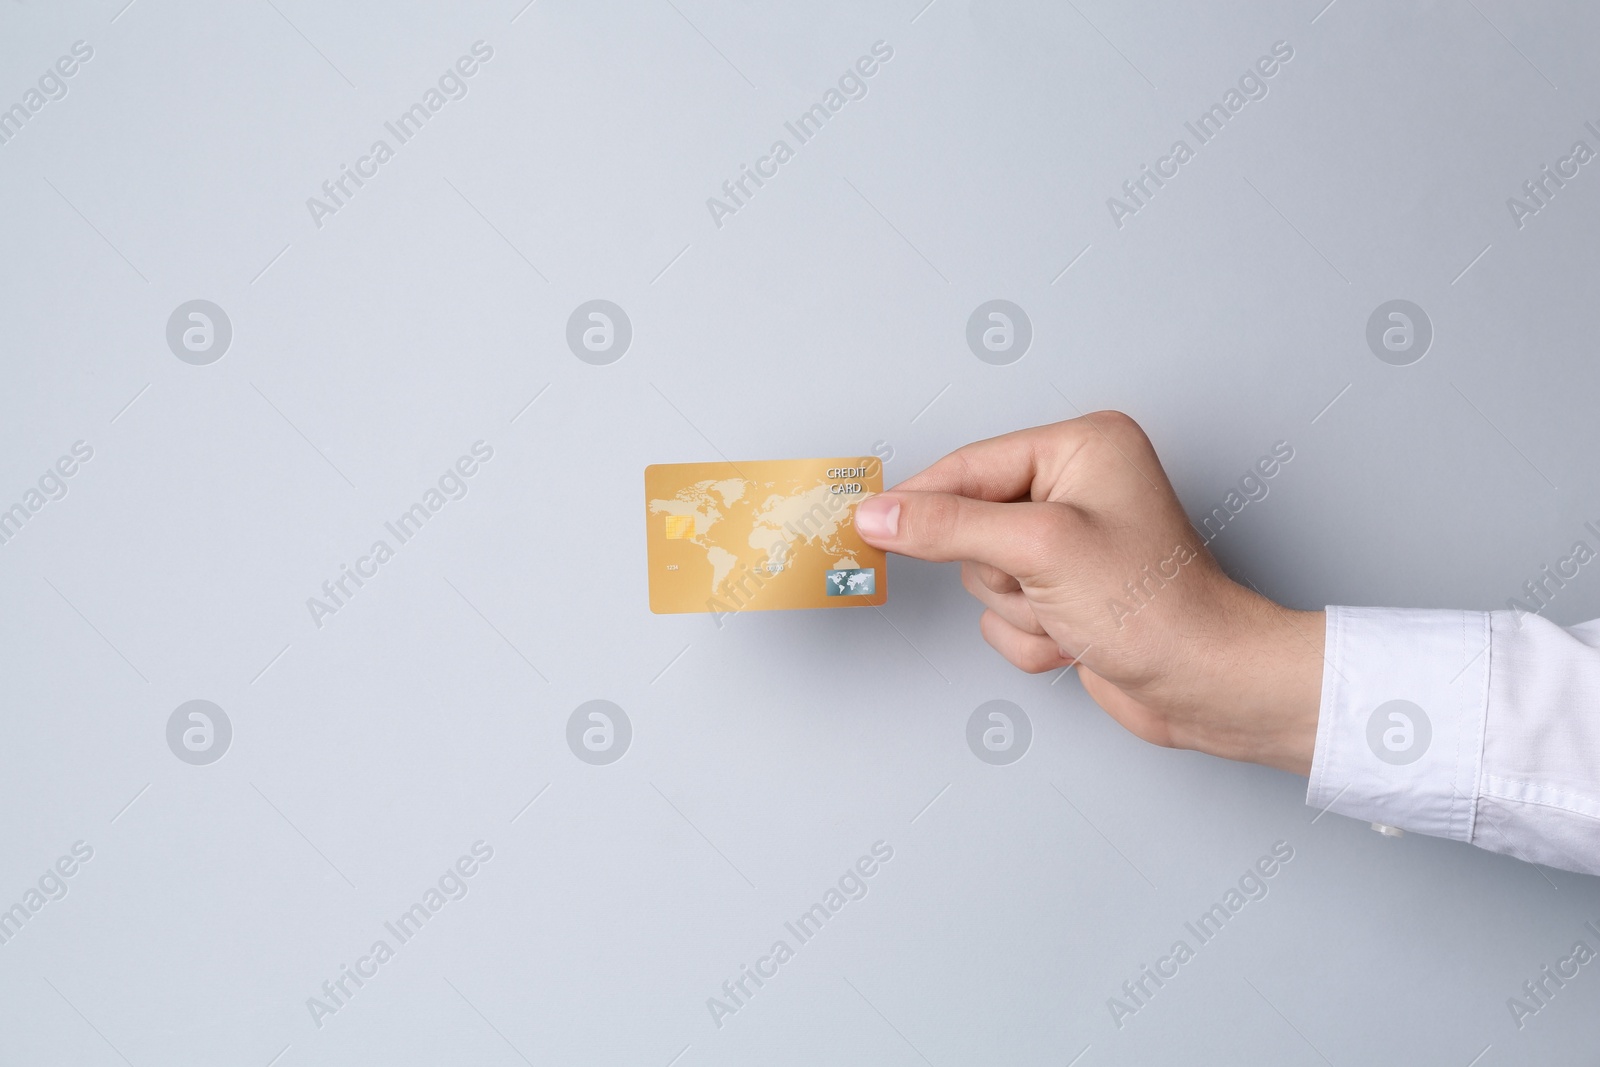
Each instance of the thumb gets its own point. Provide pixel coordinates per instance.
(1018, 537)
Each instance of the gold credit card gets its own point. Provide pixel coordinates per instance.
(727, 537)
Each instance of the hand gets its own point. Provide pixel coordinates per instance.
(1074, 541)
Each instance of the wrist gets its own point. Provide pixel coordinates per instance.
(1265, 686)
(1282, 682)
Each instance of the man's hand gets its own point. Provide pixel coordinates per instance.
(1074, 541)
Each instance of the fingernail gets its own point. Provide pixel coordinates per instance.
(878, 517)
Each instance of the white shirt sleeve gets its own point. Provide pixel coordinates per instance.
(1478, 726)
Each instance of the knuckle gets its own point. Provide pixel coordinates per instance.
(936, 521)
(1112, 420)
(996, 579)
(1027, 652)
(1037, 656)
(970, 580)
(1116, 432)
(1038, 535)
(966, 477)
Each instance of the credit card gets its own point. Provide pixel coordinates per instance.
(758, 536)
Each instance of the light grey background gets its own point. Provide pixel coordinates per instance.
(826, 317)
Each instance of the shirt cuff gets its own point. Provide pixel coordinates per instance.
(1400, 730)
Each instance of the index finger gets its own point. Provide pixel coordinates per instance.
(1001, 469)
